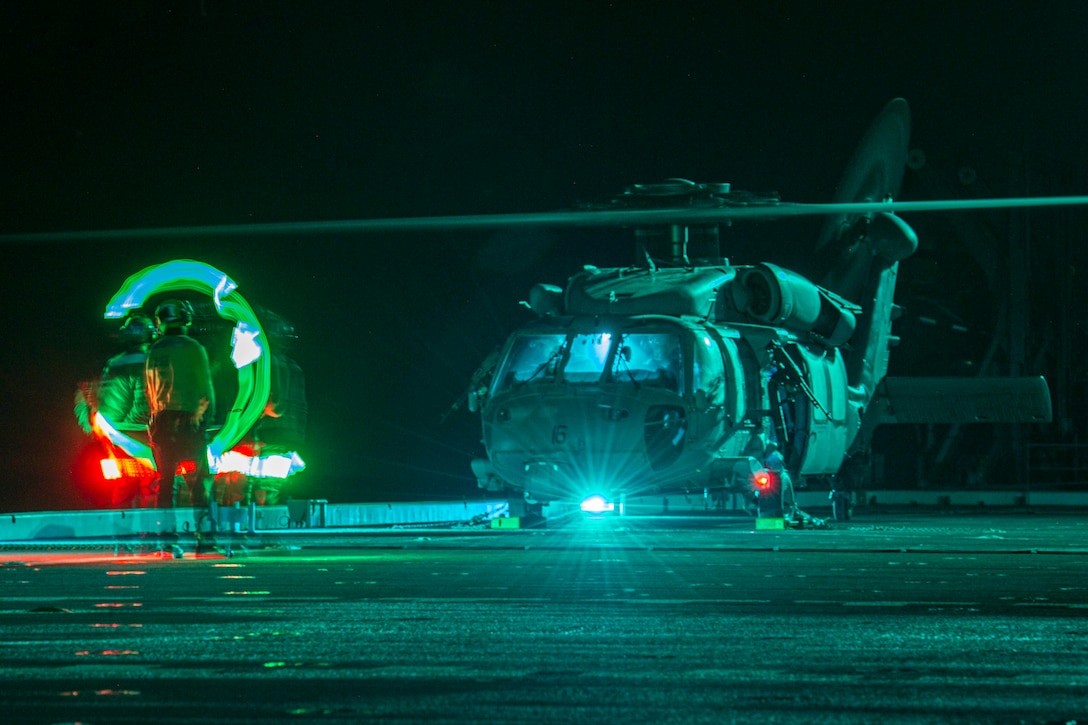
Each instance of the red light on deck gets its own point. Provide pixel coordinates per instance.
(115, 468)
(762, 479)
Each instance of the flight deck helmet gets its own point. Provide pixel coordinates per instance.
(137, 330)
(174, 314)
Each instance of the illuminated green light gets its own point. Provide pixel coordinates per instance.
(770, 524)
(245, 347)
(254, 376)
(225, 286)
(179, 274)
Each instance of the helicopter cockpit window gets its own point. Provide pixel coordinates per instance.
(588, 354)
(531, 357)
(650, 359)
(708, 372)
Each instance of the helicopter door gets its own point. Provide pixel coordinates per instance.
(827, 434)
(656, 361)
(718, 401)
(810, 409)
(791, 415)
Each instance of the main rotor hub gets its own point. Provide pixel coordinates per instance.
(681, 244)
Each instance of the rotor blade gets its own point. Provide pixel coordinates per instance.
(602, 218)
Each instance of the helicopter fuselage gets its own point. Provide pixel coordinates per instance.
(640, 380)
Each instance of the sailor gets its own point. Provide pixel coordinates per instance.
(778, 500)
(120, 397)
(182, 400)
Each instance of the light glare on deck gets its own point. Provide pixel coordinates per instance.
(597, 504)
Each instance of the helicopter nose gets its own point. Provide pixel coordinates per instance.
(569, 446)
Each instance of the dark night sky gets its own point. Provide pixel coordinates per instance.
(143, 114)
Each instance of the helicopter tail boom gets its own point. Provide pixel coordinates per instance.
(962, 400)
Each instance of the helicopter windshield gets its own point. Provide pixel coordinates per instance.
(531, 357)
(588, 354)
(652, 359)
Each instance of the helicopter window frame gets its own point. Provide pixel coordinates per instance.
(652, 367)
(596, 358)
(521, 365)
(708, 371)
(730, 392)
(588, 357)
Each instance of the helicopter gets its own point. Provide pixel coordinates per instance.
(684, 371)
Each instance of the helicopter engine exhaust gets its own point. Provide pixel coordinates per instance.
(773, 295)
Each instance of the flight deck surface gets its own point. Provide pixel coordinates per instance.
(896, 617)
